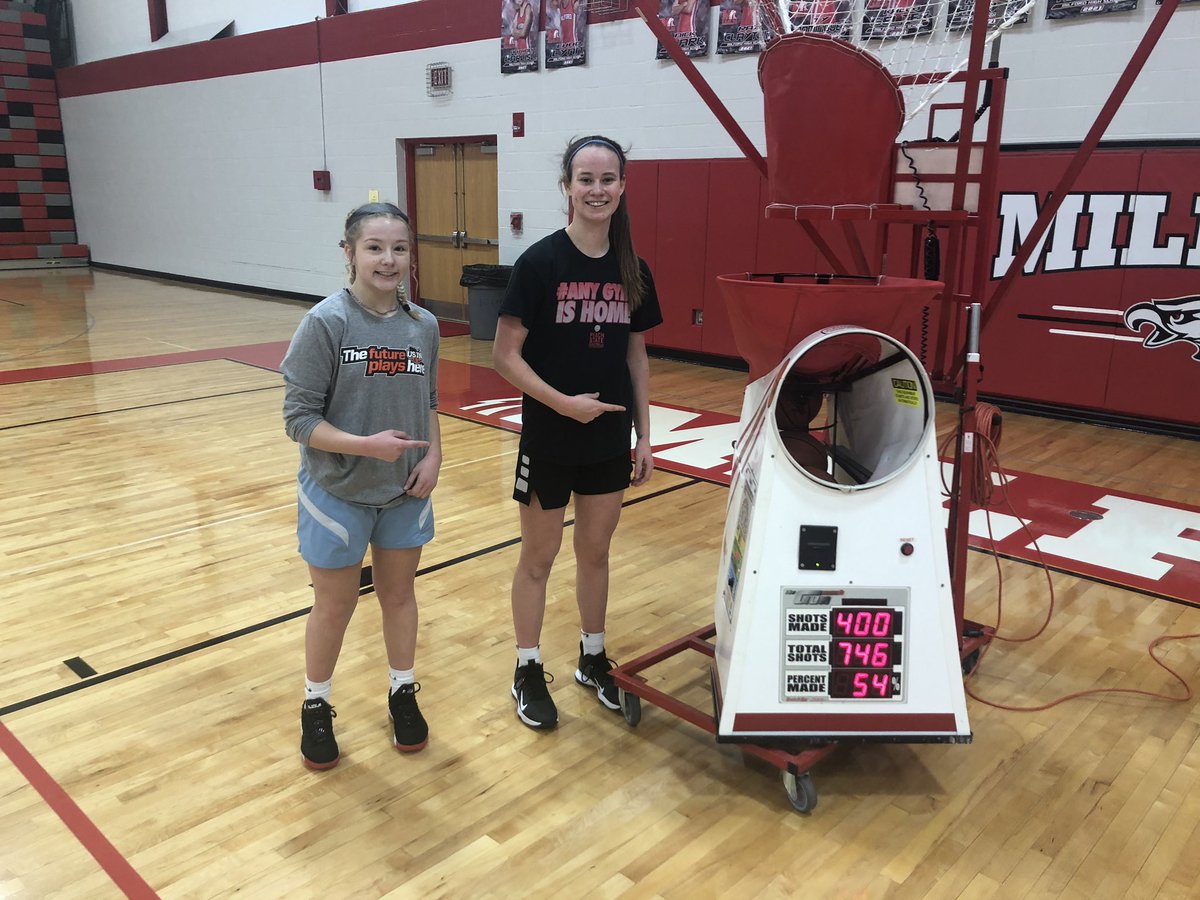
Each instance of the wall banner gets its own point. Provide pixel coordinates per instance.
(884, 19)
(738, 29)
(688, 21)
(1070, 9)
(519, 35)
(831, 17)
(958, 18)
(566, 33)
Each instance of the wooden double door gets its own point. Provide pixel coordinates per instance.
(455, 185)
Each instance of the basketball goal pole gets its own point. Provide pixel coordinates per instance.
(972, 76)
(646, 9)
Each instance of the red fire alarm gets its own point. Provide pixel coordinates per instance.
(516, 222)
(519, 124)
(321, 179)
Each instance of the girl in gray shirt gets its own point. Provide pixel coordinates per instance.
(361, 401)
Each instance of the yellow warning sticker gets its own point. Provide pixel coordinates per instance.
(906, 391)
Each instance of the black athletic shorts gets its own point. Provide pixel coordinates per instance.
(553, 482)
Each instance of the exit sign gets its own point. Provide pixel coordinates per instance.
(437, 79)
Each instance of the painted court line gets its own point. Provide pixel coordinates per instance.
(93, 840)
(1142, 543)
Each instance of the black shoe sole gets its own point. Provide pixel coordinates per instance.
(406, 748)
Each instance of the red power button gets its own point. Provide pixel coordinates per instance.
(906, 549)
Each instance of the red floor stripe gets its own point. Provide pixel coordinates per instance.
(480, 394)
(118, 868)
(452, 329)
(256, 354)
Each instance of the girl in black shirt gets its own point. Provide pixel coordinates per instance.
(571, 337)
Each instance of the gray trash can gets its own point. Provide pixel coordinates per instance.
(485, 286)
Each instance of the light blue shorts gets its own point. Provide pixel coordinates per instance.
(334, 533)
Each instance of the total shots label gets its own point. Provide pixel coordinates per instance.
(806, 653)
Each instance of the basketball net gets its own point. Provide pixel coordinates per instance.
(923, 44)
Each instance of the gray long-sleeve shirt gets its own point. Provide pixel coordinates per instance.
(363, 374)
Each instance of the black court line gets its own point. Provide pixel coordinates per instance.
(77, 665)
(367, 585)
(1074, 320)
(149, 663)
(984, 550)
(181, 652)
(125, 409)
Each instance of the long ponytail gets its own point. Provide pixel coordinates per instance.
(620, 231)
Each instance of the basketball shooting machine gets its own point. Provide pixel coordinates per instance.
(838, 608)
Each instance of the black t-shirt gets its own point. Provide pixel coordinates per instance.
(579, 324)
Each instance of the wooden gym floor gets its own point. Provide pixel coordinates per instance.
(147, 536)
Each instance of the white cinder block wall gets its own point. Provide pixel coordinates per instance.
(212, 179)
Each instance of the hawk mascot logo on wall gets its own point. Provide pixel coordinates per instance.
(1175, 319)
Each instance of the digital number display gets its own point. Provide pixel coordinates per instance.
(853, 653)
(865, 622)
(863, 684)
(835, 652)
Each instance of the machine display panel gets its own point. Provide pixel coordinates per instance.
(843, 644)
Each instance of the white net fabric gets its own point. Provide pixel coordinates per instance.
(910, 37)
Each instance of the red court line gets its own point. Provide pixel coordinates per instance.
(93, 840)
(267, 355)
(472, 392)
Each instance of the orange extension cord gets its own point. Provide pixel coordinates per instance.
(988, 428)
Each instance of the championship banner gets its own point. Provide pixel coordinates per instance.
(1070, 9)
(688, 21)
(566, 33)
(519, 35)
(831, 17)
(738, 29)
(958, 17)
(884, 19)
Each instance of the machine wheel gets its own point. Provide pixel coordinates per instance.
(801, 791)
(969, 662)
(631, 706)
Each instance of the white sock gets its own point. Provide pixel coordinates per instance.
(529, 654)
(593, 642)
(317, 690)
(399, 677)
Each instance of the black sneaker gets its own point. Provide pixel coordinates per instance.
(534, 706)
(409, 731)
(318, 747)
(593, 672)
